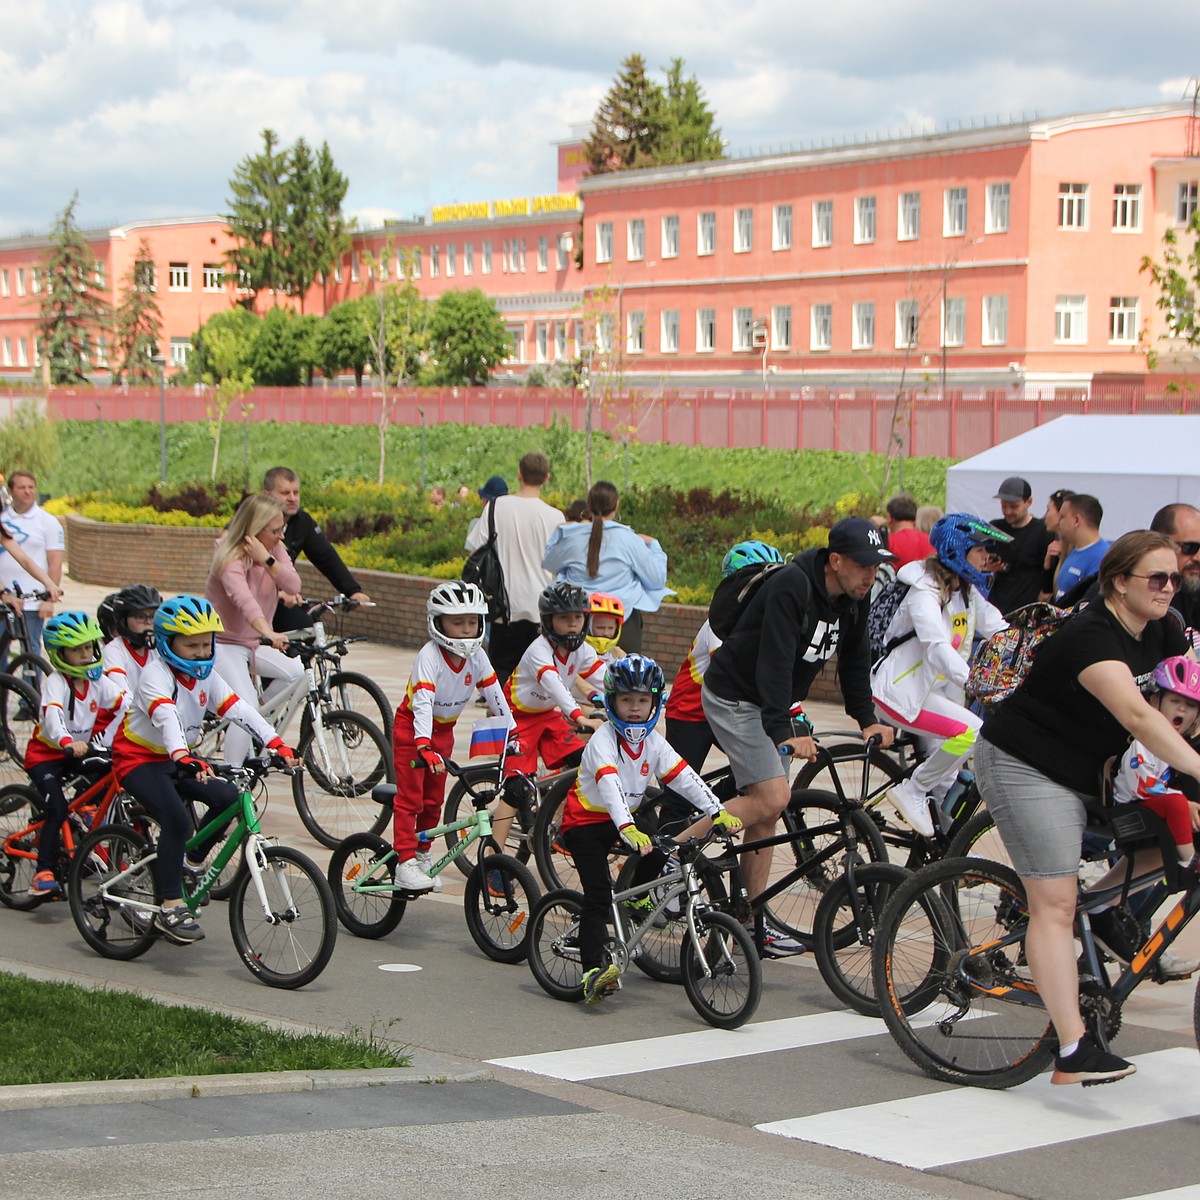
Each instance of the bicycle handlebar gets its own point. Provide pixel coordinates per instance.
(339, 603)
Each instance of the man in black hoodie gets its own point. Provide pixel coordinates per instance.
(800, 615)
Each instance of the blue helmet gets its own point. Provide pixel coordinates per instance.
(185, 616)
(954, 535)
(634, 673)
(745, 553)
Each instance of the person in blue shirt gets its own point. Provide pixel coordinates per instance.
(1079, 528)
(605, 556)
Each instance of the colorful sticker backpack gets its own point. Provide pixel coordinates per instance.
(1001, 664)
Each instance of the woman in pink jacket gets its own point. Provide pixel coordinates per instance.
(251, 572)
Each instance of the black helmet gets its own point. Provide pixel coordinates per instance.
(564, 597)
(138, 597)
(106, 616)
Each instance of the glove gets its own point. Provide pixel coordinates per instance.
(726, 820)
(282, 749)
(512, 746)
(634, 838)
(192, 765)
(430, 758)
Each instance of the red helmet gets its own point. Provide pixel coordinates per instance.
(1180, 675)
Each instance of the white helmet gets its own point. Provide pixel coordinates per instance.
(454, 600)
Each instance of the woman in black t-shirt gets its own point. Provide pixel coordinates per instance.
(1041, 752)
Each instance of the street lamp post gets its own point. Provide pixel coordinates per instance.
(160, 361)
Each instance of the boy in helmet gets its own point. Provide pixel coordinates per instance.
(618, 765)
(127, 618)
(447, 670)
(78, 703)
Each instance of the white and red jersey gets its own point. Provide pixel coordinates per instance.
(613, 778)
(167, 713)
(545, 678)
(74, 710)
(124, 665)
(683, 704)
(1141, 775)
(438, 691)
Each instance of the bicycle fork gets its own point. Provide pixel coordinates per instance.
(258, 864)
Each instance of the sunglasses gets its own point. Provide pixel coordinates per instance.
(1158, 580)
(1188, 549)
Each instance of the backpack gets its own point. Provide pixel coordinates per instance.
(734, 593)
(883, 608)
(483, 568)
(1002, 662)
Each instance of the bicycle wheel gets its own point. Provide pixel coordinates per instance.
(31, 669)
(18, 714)
(554, 944)
(499, 896)
(845, 760)
(109, 927)
(18, 865)
(289, 946)
(343, 761)
(814, 819)
(358, 693)
(844, 932)
(962, 1014)
(555, 866)
(20, 805)
(722, 975)
(979, 838)
(485, 779)
(365, 914)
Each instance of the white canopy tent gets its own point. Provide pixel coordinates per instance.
(1132, 465)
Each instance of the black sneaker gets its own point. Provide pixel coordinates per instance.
(178, 925)
(1117, 931)
(1090, 1065)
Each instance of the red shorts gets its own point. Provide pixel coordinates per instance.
(419, 793)
(547, 733)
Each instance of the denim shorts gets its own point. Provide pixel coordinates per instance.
(738, 726)
(1040, 822)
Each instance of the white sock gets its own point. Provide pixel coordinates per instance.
(1068, 1050)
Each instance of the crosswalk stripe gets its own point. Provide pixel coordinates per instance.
(962, 1123)
(1190, 1192)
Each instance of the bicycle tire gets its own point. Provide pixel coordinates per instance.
(729, 997)
(364, 914)
(19, 705)
(843, 945)
(849, 754)
(18, 869)
(29, 666)
(979, 838)
(112, 930)
(485, 778)
(356, 692)
(499, 924)
(292, 947)
(555, 866)
(333, 804)
(554, 944)
(20, 805)
(923, 961)
(813, 818)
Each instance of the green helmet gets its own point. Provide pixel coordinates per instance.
(70, 629)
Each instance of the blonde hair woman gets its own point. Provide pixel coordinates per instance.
(250, 573)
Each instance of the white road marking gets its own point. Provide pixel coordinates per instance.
(399, 968)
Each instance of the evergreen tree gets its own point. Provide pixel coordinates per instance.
(257, 219)
(689, 133)
(137, 322)
(467, 339)
(328, 231)
(73, 312)
(628, 127)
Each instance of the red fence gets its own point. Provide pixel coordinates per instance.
(958, 426)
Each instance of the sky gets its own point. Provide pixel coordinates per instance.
(144, 107)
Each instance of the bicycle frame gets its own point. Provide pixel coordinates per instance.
(478, 825)
(106, 788)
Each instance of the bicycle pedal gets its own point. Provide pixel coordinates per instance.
(406, 894)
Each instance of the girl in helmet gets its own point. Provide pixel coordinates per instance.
(604, 626)
(618, 765)
(130, 615)
(152, 754)
(78, 703)
(447, 670)
(918, 683)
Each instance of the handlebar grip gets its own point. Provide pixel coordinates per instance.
(785, 751)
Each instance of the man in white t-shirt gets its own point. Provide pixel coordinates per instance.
(41, 537)
(524, 522)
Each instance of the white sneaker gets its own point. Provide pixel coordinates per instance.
(1175, 966)
(425, 862)
(913, 810)
(411, 878)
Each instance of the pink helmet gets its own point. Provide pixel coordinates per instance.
(1180, 675)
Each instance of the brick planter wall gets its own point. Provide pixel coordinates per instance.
(176, 560)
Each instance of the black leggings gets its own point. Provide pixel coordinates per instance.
(161, 788)
(48, 779)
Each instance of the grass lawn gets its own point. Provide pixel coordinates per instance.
(60, 1032)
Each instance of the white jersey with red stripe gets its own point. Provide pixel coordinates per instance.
(67, 716)
(1142, 775)
(124, 664)
(545, 678)
(613, 778)
(438, 691)
(683, 704)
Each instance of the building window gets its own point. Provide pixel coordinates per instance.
(20, 281)
(822, 222)
(101, 275)
(145, 278)
(781, 227)
(706, 329)
(214, 276)
(562, 250)
(485, 264)
(102, 350)
(781, 327)
(670, 331)
(635, 332)
(414, 258)
(543, 260)
(6, 357)
(1127, 206)
(1123, 319)
(4, 282)
(954, 321)
(822, 327)
(179, 277)
(604, 241)
(435, 262)
(181, 347)
(337, 272)
(908, 324)
(22, 359)
(560, 339)
(604, 332)
(863, 333)
(35, 281)
(541, 341)
(908, 219)
(451, 259)
(1070, 319)
(743, 230)
(706, 233)
(1072, 205)
(864, 219)
(670, 237)
(995, 218)
(1186, 195)
(995, 320)
(743, 328)
(636, 248)
(516, 335)
(954, 219)
(354, 267)
(468, 258)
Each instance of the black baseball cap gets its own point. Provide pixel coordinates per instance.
(1015, 488)
(860, 540)
(493, 489)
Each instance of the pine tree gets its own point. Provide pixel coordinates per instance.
(328, 232)
(628, 126)
(73, 312)
(257, 219)
(137, 322)
(690, 134)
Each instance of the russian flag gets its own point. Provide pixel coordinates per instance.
(489, 735)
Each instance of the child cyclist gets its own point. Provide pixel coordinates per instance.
(447, 670)
(152, 752)
(605, 622)
(78, 703)
(618, 765)
(127, 618)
